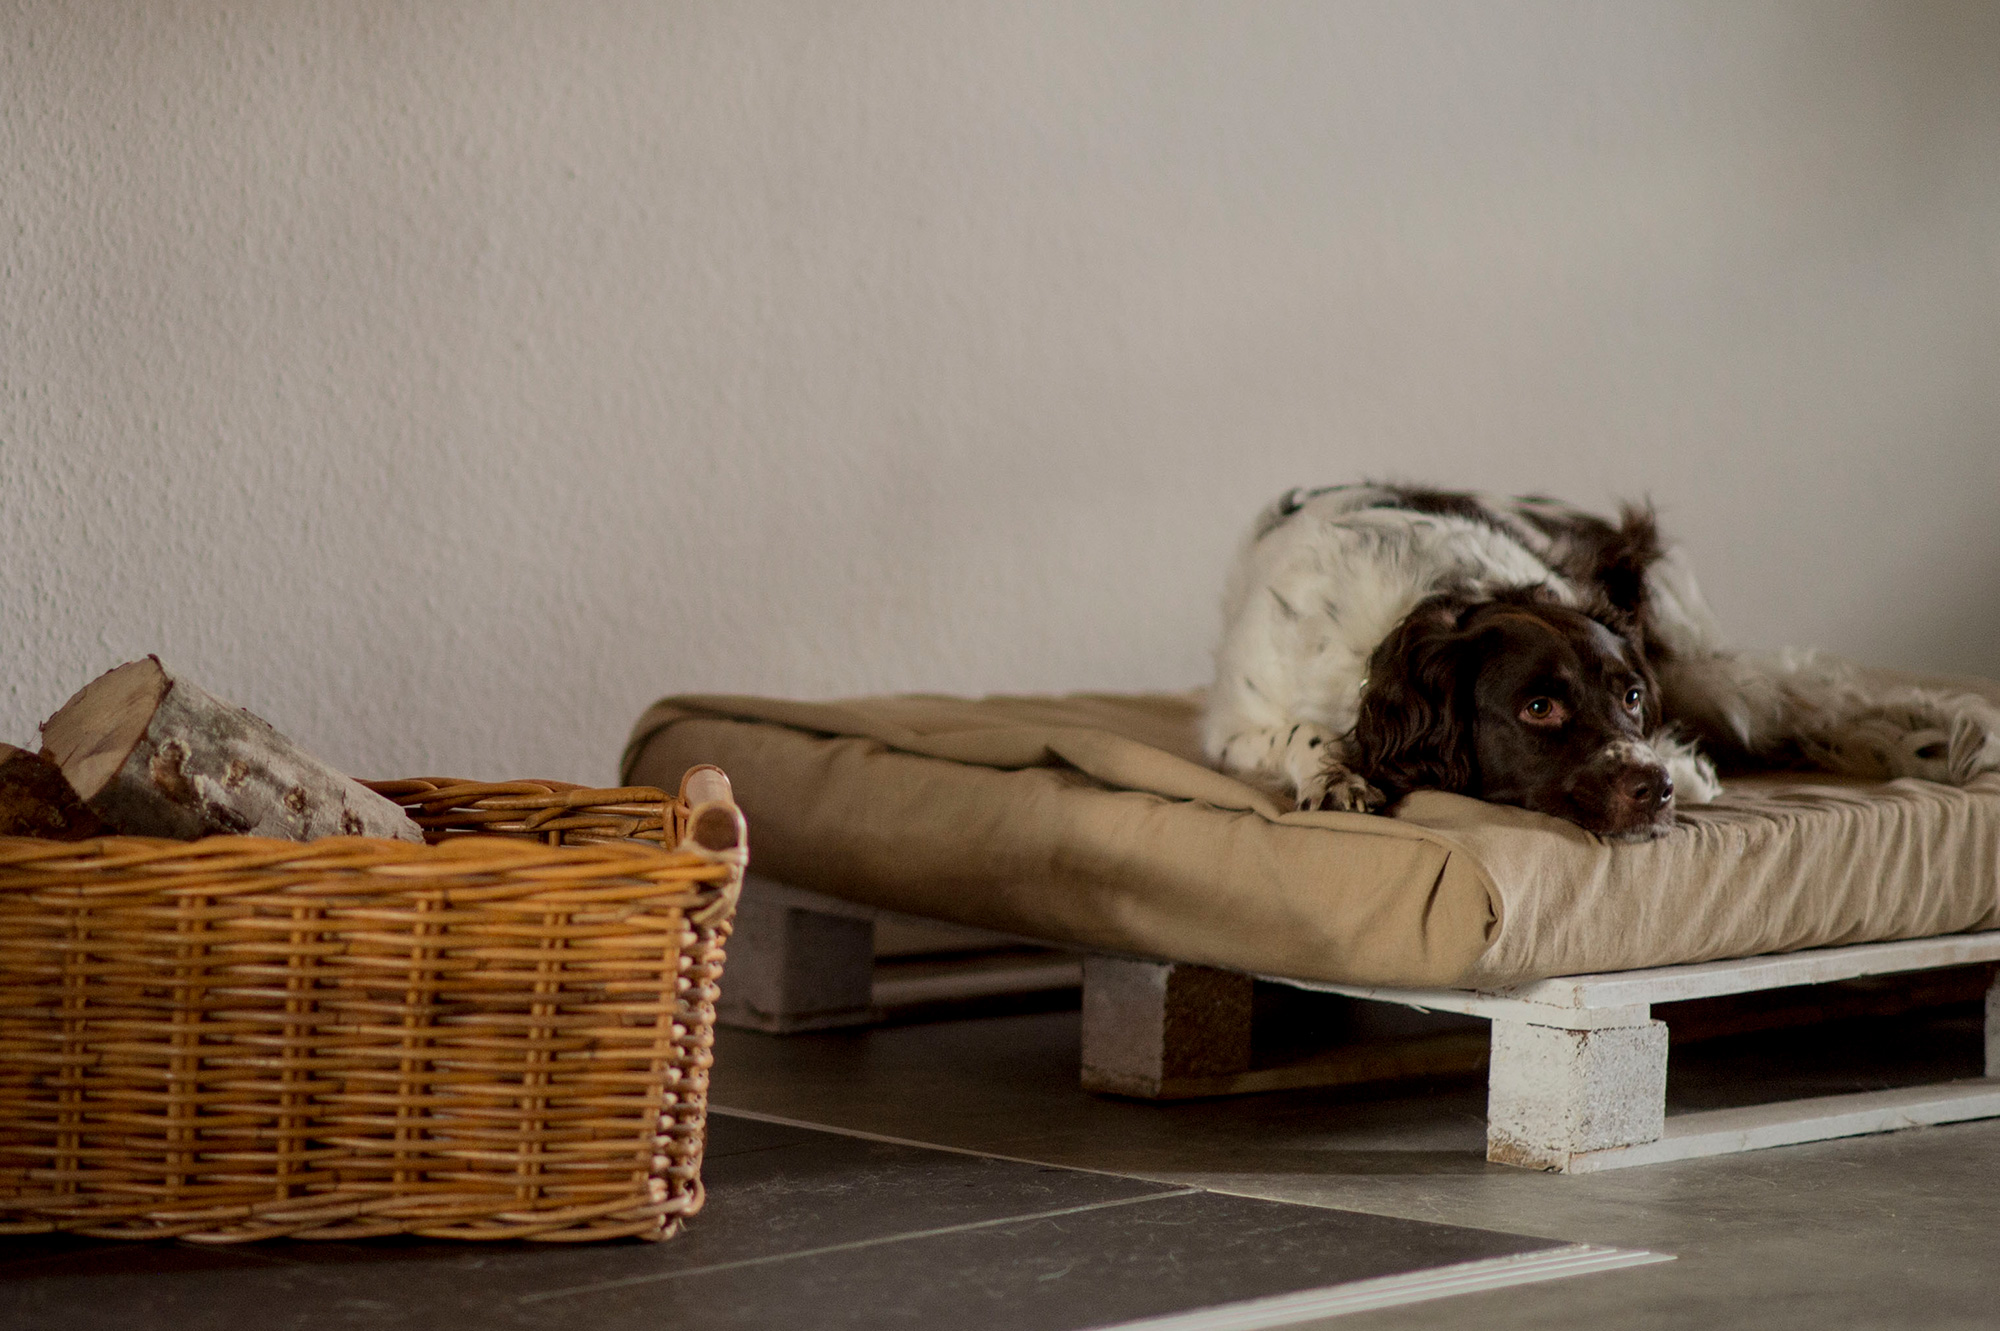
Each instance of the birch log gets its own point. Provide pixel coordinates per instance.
(36, 801)
(152, 755)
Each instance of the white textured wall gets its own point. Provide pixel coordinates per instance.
(447, 380)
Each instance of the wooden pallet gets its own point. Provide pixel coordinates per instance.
(1576, 1066)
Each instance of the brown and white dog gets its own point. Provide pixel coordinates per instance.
(1380, 639)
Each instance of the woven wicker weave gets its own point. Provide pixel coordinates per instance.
(503, 1035)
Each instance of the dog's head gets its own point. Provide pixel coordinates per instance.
(1518, 699)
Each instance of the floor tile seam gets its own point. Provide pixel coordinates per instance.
(751, 1150)
(1376, 1209)
(887, 1140)
(1165, 1180)
(659, 1277)
(1144, 1176)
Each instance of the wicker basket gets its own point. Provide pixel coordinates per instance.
(505, 1034)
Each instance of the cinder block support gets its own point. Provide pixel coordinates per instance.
(1993, 1028)
(1149, 1026)
(1554, 1094)
(792, 969)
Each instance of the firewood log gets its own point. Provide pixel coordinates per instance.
(36, 800)
(153, 755)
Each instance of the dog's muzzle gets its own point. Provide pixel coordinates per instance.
(1625, 793)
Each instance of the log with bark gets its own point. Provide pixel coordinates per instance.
(152, 755)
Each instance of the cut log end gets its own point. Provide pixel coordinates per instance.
(94, 733)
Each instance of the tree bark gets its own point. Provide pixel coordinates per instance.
(152, 755)
(36, 800)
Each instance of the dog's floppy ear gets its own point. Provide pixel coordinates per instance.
(1411, 732)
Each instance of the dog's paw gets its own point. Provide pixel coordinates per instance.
(1340, 791)
(1928, 736)
(1694, 777)
(1924, 753)
(1969, 746)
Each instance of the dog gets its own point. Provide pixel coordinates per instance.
(1380, 639)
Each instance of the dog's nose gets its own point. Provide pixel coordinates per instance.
(1645, 788)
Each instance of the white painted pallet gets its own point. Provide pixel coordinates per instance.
(1613, 995)
(1577, 1081)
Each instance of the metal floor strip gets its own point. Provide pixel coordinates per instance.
(1393, 1291)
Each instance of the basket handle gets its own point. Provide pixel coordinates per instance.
(714, 822)
(705, 784)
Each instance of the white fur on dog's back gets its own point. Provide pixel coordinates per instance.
(1321, 581)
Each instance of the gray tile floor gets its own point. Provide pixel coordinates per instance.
(1897, 1230)
(1052, 1209)
(805, 1229)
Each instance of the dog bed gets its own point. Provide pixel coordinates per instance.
(1090, 821)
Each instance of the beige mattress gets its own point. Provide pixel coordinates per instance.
(1090, 820)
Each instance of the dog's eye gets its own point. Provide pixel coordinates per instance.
(1633, 697)
(1542, 710)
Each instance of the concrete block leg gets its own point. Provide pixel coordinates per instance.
(1554, 1094)
(1152, 1027)
(793, 969)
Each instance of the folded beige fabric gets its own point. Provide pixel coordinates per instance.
(1091, 820)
